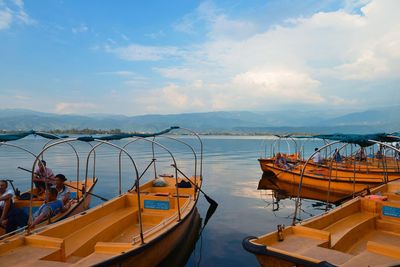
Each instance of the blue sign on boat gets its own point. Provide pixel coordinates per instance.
(156, 204)
(391, 211)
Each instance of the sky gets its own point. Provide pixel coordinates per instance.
(168, 57)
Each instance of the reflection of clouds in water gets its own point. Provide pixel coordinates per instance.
(246, 189)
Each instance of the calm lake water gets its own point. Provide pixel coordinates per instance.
(231, 173)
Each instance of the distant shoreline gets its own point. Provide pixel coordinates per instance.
(118, 131)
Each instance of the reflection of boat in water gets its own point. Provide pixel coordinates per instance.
(140, 227)
(362, 232)
(180, 255)
(283, 189)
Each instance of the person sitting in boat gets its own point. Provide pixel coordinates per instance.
(63, 191)
(49, 209)
(281, 162)
(43, 176)
(336, 156)
(317, 158)
(360, 155)
(6, 196)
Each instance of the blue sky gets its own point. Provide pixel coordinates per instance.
(146, 57)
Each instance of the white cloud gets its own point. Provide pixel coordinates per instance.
(135, 52)
(13, 12)
(75, 107)
(285, 86)
(80, 29)
(119, 73)
(322, 60)
(5, 18)
(155, 35)
(218, 24)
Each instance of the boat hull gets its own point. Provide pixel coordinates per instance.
(155, 251)
(342, 183)
(124, 231)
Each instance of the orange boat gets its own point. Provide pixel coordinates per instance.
(336, 180)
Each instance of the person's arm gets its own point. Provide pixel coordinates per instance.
(66, 198)
(42, 216)
(37, 177)
(66, 206)
(4, 214)
(51, 178)
(6, 196)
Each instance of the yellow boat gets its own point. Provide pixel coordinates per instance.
(364, 231)
(80, 190)
(79, 202)
(137, 228)
(110, 234)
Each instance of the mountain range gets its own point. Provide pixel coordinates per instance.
(235, 122)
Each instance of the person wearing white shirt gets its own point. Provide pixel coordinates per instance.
(6, 196)
(317, 158)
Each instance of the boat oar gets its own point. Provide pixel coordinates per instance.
(209, 199)
(92, 194)
(102, 198)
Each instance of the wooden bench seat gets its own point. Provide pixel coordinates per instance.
(80, 242)
(346, 226)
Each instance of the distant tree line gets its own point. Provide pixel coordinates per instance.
(85, 131)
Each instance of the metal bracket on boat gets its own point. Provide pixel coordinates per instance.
(280, 233)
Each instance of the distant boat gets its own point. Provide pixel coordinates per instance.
(350, 175)
(364, 231)
(337, 180)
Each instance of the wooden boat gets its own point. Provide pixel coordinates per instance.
(80, 190)
(337, 180)
(346, 168)
(137, 228)
(79, 202)
(110, 233)
(353, 174)
(364, 231)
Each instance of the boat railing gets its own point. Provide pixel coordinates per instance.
(56, 137)
(298, 199)
(152, 162)
(30, 153)
(163, 222)
(137, 182)
(194, 155)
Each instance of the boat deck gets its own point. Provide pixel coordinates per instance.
(363, 232)
(101, 233)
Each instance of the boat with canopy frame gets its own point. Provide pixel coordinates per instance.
(342, 178)
(363, 231)
(139, 227)
(28, 202)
